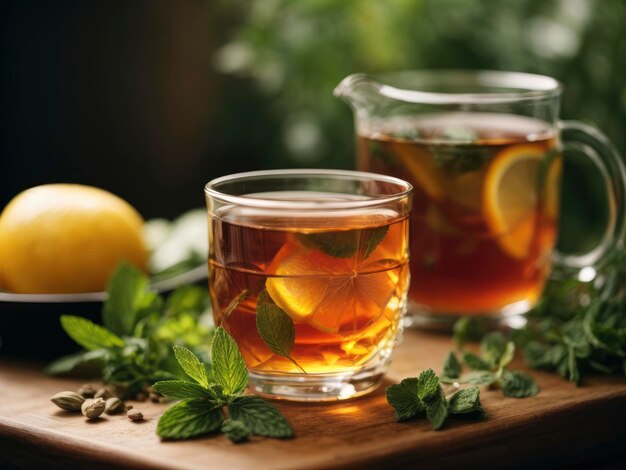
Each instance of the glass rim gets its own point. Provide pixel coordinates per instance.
(528, 86)
(295, 204)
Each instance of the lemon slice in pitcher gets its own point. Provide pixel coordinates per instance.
(511, 195)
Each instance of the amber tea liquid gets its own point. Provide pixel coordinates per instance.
(485, 206)
(341, 282)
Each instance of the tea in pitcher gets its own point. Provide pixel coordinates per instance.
(485, 210)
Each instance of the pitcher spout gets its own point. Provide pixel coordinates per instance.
(358, 90)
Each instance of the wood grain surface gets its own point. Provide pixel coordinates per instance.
(562, 425)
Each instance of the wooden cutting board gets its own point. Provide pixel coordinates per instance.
(563, 424)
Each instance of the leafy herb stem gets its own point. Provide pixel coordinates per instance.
(216, 403)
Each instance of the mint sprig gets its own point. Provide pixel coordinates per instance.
(133, 347)
(490, 368)
(218, 403)
(574, 338)
(424, 395)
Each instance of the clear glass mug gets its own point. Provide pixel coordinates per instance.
(309, 274)
(483, 150)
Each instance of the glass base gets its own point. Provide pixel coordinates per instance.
(318, 387)
(512, 316)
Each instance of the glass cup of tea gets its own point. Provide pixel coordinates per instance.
(483, 151)
(309, 274)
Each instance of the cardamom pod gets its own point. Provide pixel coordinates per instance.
(93, 408)
(134, 415)
(105, 393)
(87, 391)
(68, 401)
(113, 405)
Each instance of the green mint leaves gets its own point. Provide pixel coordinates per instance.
(191, 365)
(374, 237)
(189, 418)
(229, 370)
(260, 417)
(466, 401)
(128, 294)
(424, 395)
(346, 243)
(452, 366)
(518, 384)
(89, 335)
(236, 431)
(275, 327)
(571, 338)
(404, 399)
(490, 368)
(133, 349)
(217, 403)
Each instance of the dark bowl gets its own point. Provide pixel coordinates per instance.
(29, 323)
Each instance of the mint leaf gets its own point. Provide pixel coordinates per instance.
(467, 329)
(451, 366)
(535, 354)
(346, 243)
(275, 327)
(427, 385)
(466, 401)
(403, 399)
(67, 364)
(148, 307)
(338, 244)
(187, 299)
(181, 389)
(478, 377)
(437, 409)
(492, 348)
(263, 419)
(474, 362)
(229, 369)
(236, 431)
(190, 418)
(374, 237)
(89, 335)
(126, 290)
(518, 384)
(191, 365)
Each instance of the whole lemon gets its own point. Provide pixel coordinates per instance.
(67, 238)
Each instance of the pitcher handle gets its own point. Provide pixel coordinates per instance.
(594, 144)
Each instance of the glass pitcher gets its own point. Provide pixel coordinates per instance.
(484, 151)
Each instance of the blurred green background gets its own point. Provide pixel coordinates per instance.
(294, 53)
(183, 91)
